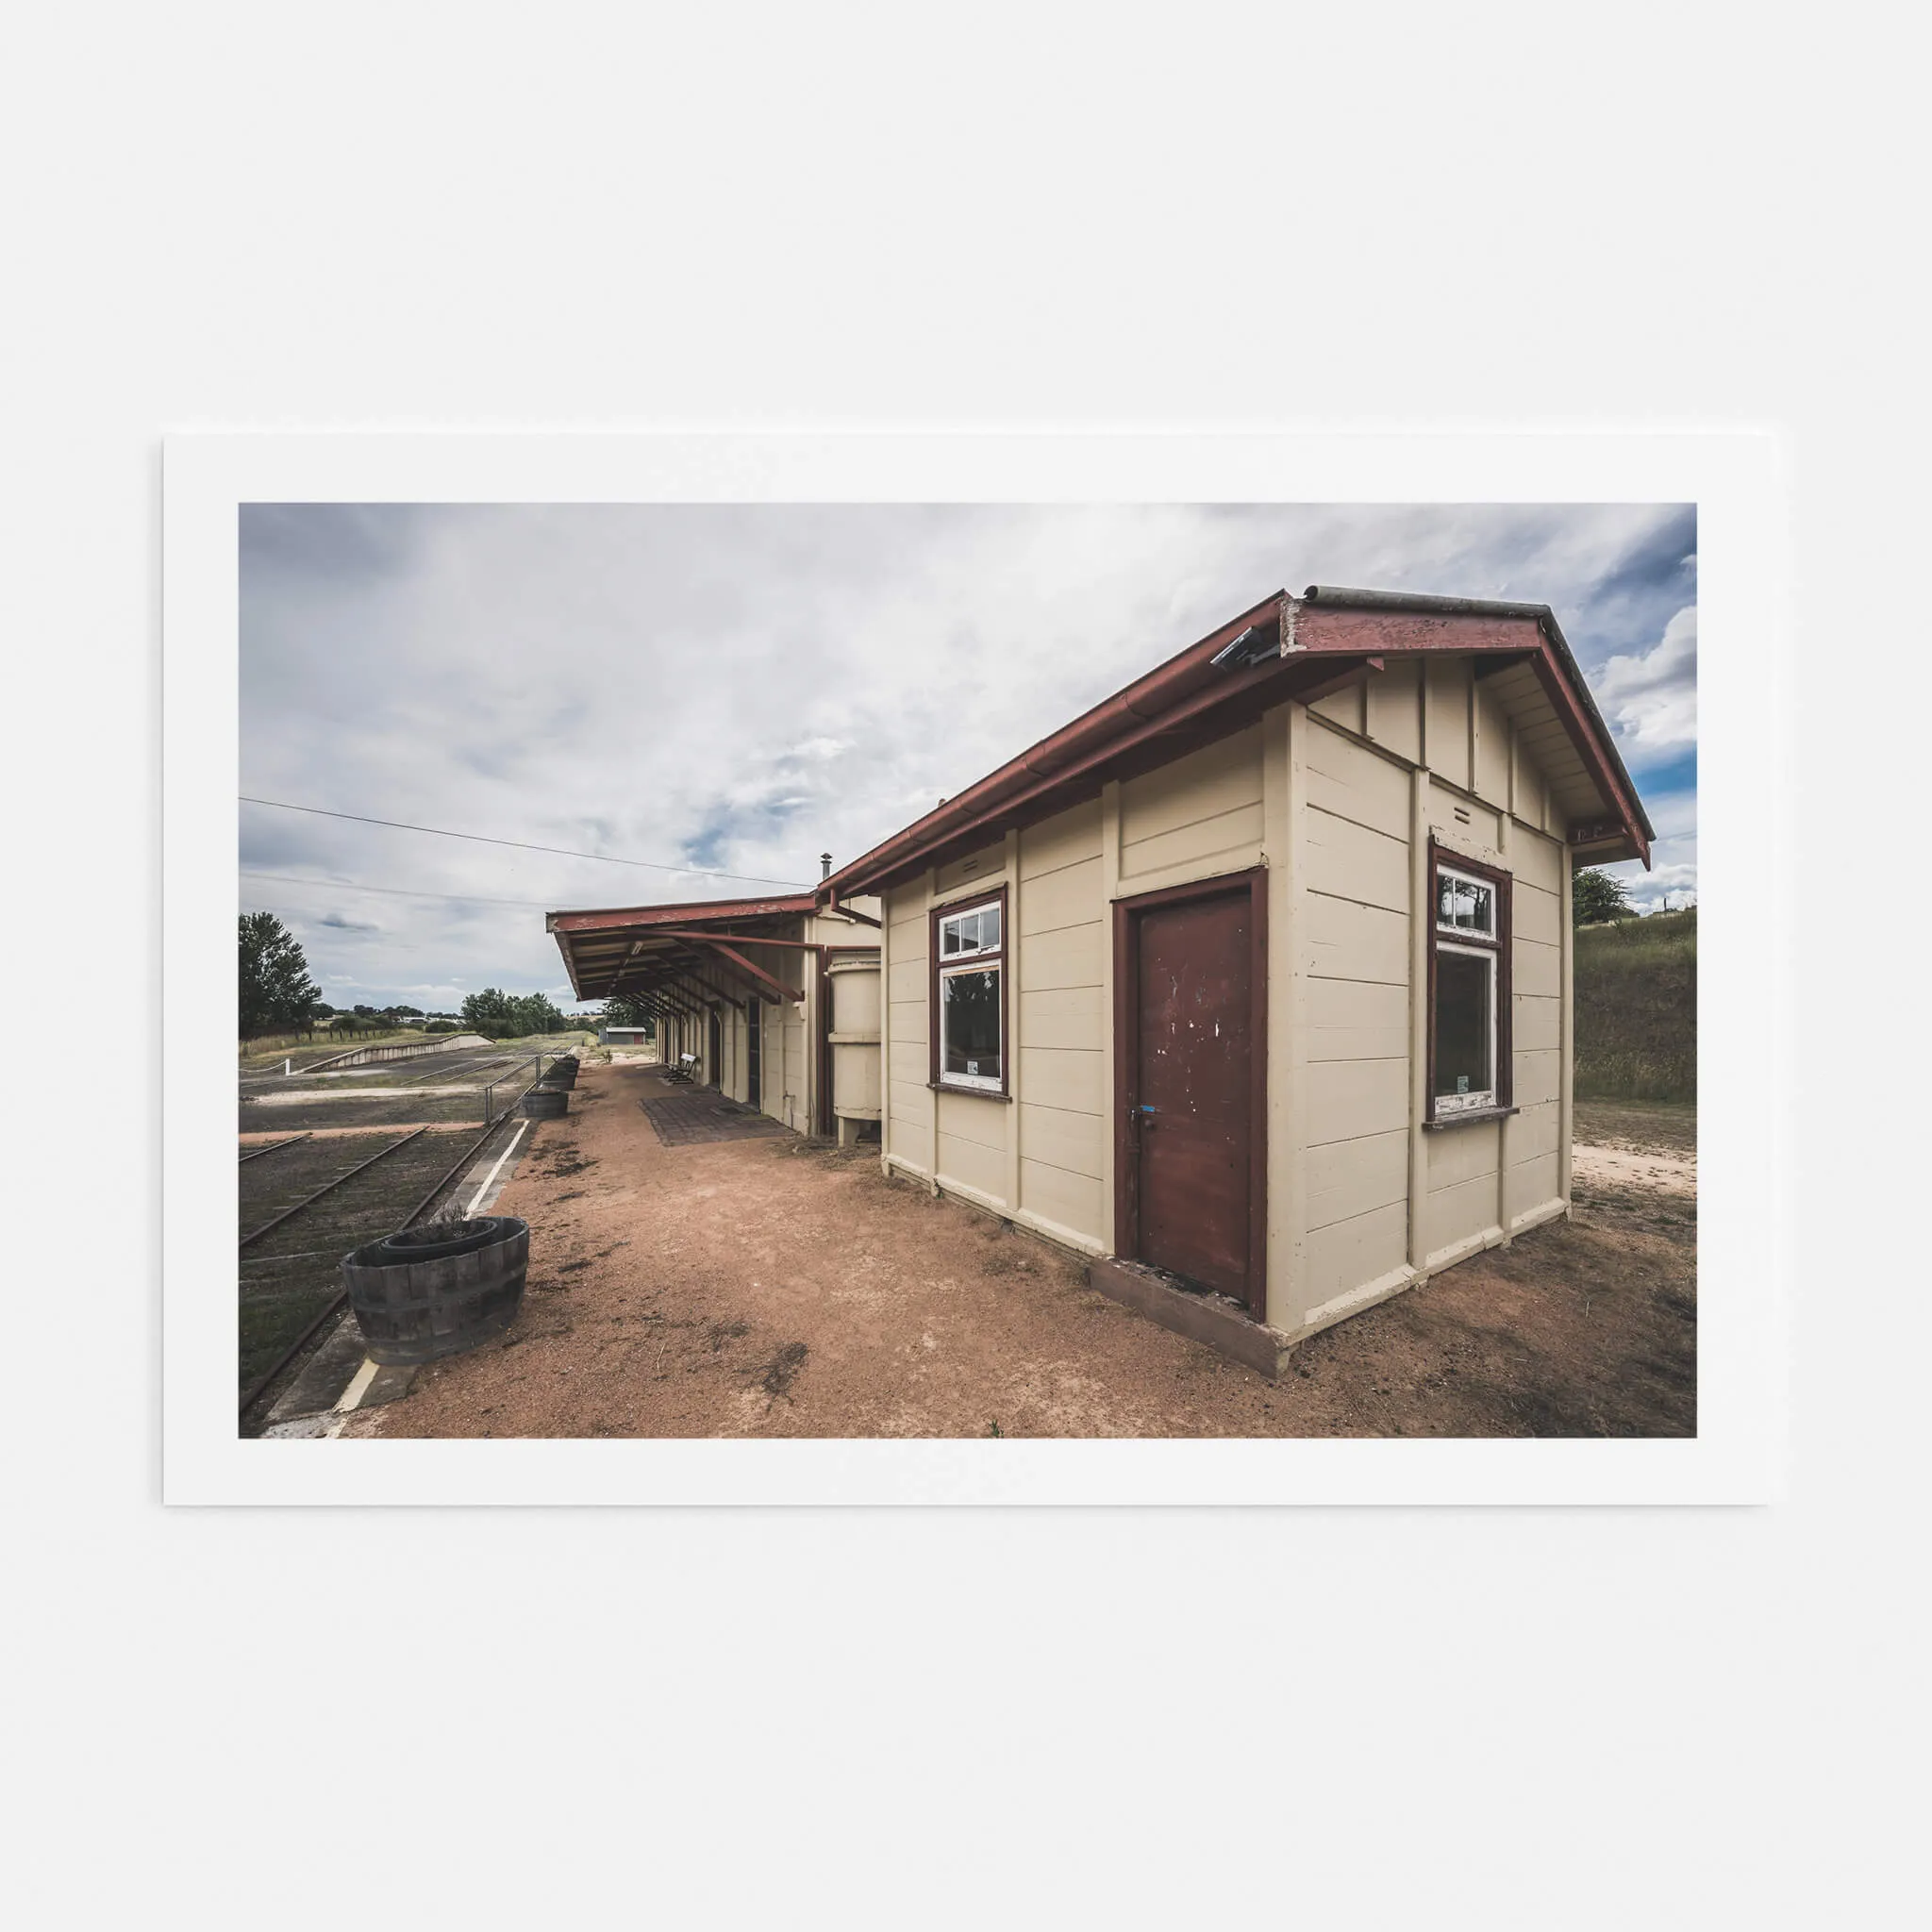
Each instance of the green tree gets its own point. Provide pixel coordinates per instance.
(1595, 896)
(487, 1013)
(499, 1015)
(277, 995)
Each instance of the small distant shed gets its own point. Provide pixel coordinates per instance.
(1254, 981)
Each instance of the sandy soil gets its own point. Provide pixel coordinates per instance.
(778, 1287)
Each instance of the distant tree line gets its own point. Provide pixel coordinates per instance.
(499, 1015)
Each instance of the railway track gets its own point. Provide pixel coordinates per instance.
(303, 1204)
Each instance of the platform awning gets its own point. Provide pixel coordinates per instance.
(679, 957)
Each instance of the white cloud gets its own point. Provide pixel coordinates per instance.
(1673, 874)
(1651, 699)
(743, 687)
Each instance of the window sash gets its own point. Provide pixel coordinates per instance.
(978, 1083)
(982, 947)
(1484, 1098)
(1486, 888)
(1449, 874)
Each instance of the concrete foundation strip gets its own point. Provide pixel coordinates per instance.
(475, 1199)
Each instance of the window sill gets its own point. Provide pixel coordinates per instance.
(1463, 1120)
(976, 1092)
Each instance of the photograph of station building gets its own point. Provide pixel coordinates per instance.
(1252, 984)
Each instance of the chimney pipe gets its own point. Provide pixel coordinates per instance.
(825, 865)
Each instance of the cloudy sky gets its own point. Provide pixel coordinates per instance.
(733, 689)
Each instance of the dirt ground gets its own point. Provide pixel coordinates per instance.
(779, 1288)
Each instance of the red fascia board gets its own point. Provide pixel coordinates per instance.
(1562, 698)
(686, 912)
(1324, 628)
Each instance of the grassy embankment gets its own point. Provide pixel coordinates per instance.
(305, 1047)
(1637, 1009)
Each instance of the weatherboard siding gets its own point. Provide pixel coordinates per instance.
(1353, 846)
(1323, 793)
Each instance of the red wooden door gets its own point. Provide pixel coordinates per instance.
(1193, 1096)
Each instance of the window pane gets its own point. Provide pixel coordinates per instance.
(1465, 905)
(977, 931)
(1463, 1045)
(969, 1024)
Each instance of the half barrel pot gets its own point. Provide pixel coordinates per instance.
(545, 1103)
(431, 1292)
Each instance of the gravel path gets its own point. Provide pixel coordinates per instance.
(778, 1287)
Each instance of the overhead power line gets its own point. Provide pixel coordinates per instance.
(389, 891)
(523, 846)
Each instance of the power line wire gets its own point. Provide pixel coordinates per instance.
(523, 846)
(389, 891)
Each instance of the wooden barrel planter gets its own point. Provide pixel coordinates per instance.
(431, 1292)
(565, 1078)
(545, 1104)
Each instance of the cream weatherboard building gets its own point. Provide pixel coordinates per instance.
(1254, 983)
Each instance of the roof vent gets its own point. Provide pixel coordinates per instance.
(825, 865)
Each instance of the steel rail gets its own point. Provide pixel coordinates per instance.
(253, 1394)
(288, 1213)
(274, 1148)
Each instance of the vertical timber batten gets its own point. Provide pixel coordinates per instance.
(886, 1035)
(1109, 891)
(1418, 1007)
(1566, 1066)
(1508, 1121)
(1009, 973)
(1283, 786)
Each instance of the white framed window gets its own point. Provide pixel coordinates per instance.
(968, 995)
(1469, 988)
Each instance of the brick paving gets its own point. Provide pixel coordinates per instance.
(690, 1120)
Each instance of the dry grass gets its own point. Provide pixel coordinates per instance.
(1637, 1008)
